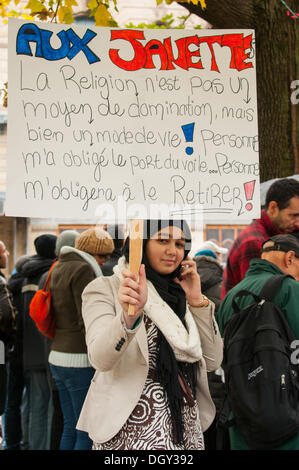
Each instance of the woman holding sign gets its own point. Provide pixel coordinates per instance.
(150, 389)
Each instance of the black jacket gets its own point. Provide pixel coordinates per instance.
(211, 275)
(35, 345)
(15, 284)
(107, 269)
(7, 311)
(7, 334)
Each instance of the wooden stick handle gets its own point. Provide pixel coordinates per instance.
(136, 240)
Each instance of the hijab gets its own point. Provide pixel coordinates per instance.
(169, 371)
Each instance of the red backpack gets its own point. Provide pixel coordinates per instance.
(40, 309)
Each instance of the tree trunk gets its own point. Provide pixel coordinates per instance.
(277, 65)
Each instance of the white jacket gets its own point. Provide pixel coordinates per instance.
(120, 355)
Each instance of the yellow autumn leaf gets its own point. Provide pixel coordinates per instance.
(195, 2)
(26, 17)
(35, 6)
(92, 4)
(65, 15)
(68, 16)
(60, 14)
(71, 3)
(102, 16)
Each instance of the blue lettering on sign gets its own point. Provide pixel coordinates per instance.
(71, 43)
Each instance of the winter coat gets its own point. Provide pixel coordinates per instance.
(69, 277)
(35, 345)
(121, 359)
(3, 379)
(15, 284)
(247, 246)
(211, 274)
(7, 334)
(7, 311)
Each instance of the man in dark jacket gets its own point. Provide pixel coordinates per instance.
(35, 346)
(281, 215)
(15, 374)
(280, 255)
(7, 323)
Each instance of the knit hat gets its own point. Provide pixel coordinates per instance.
(206, 253)
(209, 245)
(66, 238)
(95, 241)
(45, 245)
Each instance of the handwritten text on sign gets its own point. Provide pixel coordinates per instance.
(124, 118)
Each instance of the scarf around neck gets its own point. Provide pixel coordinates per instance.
(170, 370)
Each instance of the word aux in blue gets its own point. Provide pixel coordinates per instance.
(71, 43)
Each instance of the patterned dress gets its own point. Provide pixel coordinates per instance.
(149, 425)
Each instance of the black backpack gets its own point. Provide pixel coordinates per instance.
(262, 388)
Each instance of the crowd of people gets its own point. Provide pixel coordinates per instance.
(150, 379)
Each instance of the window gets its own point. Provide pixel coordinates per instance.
(223, 235)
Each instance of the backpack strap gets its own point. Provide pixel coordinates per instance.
(268, 291)
(272, 286)
(223, 423)
(48, 277)
(242, 293)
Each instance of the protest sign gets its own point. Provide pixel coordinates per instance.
(123, 123)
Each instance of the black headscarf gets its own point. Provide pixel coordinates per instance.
(168, 368)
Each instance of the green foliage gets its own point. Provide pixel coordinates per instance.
(100, 10)
(165, 23)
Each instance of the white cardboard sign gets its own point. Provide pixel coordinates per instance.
(113, 123)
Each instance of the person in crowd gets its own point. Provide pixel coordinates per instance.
(279, 255)
(35, 347)
(211, 246)
(66, 238)
(150, 388)
(281, 215)
(210, 270)
(69, 364)
(13, 434)
(117, 235)
(7, 324)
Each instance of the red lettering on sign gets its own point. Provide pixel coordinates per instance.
(212, 40)
(184, 57)
(140, 56)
